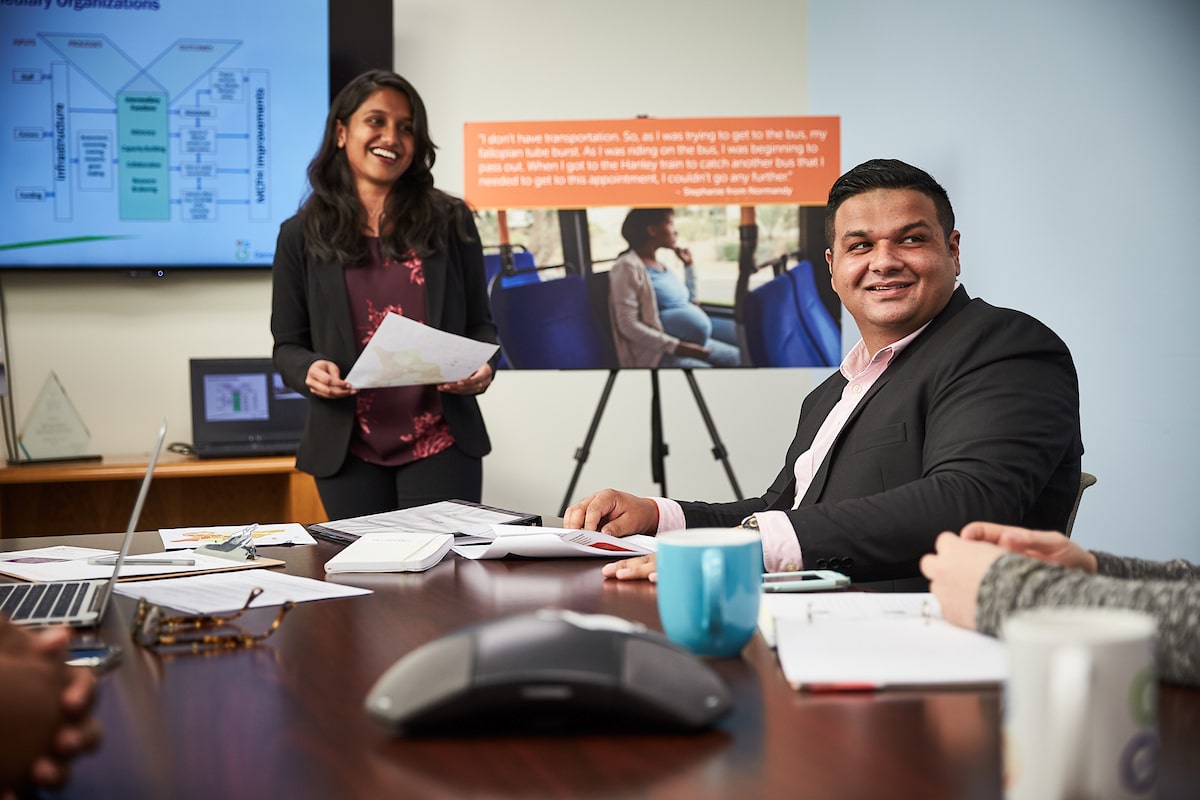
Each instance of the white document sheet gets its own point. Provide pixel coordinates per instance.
(227, 591)
(263, 536)
(404, 352)
(61, 563)
(539, 542)
(863, 640)
(65, 563)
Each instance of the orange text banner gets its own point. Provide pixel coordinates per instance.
(651, 162)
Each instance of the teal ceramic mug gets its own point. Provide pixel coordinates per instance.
(709, 584)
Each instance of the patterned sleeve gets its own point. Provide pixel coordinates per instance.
(1122, 567)
(1170, 592)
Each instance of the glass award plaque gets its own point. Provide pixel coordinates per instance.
(54, 430)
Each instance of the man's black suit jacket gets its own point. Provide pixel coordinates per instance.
(310, 320)
(977, 419)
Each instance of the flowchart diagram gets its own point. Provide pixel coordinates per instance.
(180, 134)
(154, 134)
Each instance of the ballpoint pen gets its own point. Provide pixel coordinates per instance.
(108, 561)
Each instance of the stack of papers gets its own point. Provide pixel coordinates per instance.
(464, 519)
(532, 541)
(851, 641)
(391, 552)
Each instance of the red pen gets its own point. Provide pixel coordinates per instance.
(841, 687)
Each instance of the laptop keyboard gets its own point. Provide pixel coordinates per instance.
(53, 601)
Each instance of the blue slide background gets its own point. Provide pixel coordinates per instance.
(156, 133)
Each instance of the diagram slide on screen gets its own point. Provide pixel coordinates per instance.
(156, 133)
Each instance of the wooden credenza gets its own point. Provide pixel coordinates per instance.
(98, 496)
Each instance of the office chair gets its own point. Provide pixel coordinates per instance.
(548, 324)
(1086, 479)
(598, 290)
(786, 324)
(523, 264)
(819, 324)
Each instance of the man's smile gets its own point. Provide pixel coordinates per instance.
(889, 286)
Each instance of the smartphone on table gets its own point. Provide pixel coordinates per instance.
(806, 580)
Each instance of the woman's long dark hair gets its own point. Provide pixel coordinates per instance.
(334, 217)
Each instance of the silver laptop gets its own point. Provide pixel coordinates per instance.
(80, 604)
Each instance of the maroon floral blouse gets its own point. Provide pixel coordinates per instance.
(401, 424)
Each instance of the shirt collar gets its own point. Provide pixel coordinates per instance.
(858, 359)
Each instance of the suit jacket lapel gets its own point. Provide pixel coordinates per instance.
(811, 418)
(434, 269)
(820, 412)
(338, 327)
(958, 302)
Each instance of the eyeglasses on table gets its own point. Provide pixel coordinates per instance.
(153, 628)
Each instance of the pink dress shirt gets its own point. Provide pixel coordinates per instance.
(781, 549)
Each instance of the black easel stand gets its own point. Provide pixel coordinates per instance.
(658, 448)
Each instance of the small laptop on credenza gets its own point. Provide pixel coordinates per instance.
(79, 604)
(241, 407)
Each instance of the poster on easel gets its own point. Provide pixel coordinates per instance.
(54, 431)
(684, 242)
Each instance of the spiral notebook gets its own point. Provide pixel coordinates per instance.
(863, 641)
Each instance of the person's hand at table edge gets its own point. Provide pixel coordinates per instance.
(1049, 546)
(632, 569)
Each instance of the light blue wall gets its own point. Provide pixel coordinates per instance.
(1068, 135)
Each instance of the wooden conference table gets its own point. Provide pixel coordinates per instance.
(285, 719)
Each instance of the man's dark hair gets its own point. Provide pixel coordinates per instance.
(887, 173)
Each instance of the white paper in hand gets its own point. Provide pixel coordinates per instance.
(391, 552)
(403, 352)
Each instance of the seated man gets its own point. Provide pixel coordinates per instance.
(948, 410)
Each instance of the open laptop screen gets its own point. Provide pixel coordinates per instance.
(240, 406)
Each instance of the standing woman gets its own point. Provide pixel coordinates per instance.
(374, 236)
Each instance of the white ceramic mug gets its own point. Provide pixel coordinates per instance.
(1080, 704)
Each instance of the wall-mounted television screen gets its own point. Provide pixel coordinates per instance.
(163, 134)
